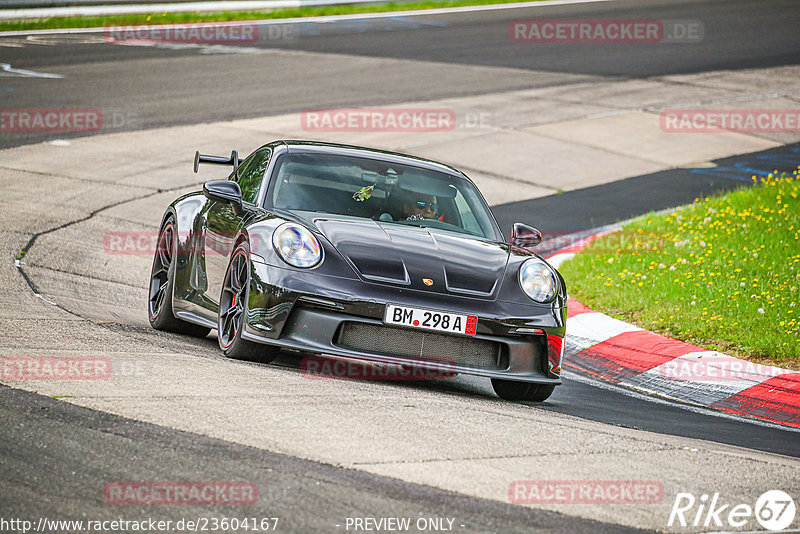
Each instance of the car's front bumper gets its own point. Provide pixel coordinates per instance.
(307, 312)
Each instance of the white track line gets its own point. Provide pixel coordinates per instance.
(5, 67)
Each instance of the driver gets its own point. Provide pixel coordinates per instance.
(408, 205)
(419, 206)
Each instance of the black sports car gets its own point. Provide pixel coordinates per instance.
(363, 254)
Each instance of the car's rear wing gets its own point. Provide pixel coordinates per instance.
(217, 160)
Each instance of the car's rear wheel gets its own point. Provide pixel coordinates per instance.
(232, 312)
(162, 280)
(512, 390)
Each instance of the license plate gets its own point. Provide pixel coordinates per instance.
(430, 320)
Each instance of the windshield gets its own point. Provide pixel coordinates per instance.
(386, 192)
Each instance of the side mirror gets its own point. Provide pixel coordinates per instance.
(224, 191)
(524, 236)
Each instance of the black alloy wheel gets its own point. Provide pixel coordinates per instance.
(233, 311)
(162, 280)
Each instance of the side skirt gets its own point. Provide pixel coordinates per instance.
(196, 319)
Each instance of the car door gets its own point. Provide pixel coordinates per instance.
(223, 222)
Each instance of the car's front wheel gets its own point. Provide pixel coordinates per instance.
(232, 311)
(162, 280)
(512, 390)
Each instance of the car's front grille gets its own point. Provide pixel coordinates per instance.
(422, 345)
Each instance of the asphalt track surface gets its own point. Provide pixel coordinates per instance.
(737, 35)
(54, 481)
(593, 207)
(152, 90)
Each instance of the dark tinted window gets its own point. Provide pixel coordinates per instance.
(388, 192)
(251, 174)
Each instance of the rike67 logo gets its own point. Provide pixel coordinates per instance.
(774, 510)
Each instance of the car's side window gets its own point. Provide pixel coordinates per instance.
(467, 216)
(251, 174)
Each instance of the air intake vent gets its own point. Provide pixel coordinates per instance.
(421, 345)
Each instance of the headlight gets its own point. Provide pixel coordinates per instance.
(538, 280)
(296, 245)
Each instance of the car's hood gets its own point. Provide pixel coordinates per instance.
(408, 256)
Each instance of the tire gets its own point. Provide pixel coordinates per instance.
(511, 390)
(162, 282)
(233, 309)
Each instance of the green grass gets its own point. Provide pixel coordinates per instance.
(184, 18)
(723, 272)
